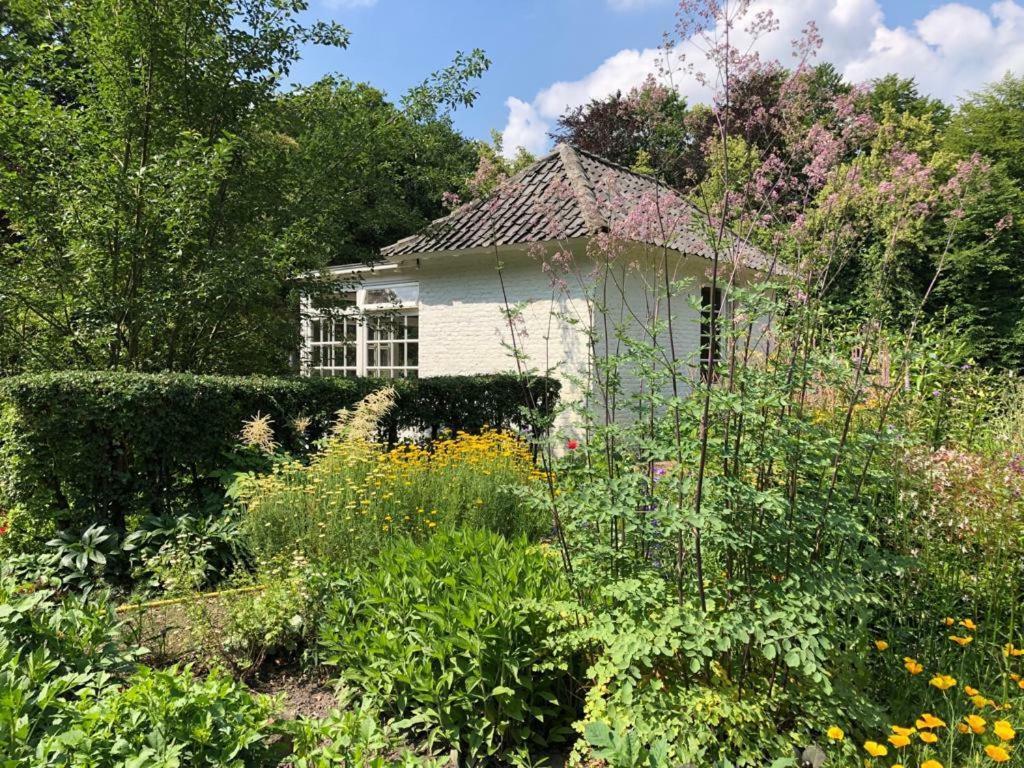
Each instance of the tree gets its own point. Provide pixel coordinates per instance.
(992, 122)
(901, 95)
(162, 195)
(652, 120)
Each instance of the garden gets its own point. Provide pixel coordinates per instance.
(790, 534)
(496, 596)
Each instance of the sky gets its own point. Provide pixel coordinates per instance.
(551, 55)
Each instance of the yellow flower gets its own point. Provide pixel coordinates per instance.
(928, 737)
(875, 749)
(949, 621)
(943, 682)
(970, 691)
(881, 645)
(931, 764)
(968, 624)
(835, 733)
(963, 727)
(997, 754)
(962, 641)
(928, 720)
(980, 701)
(976, 723)
(913, 666)
(903, 731)
(1003, 730)
(899, 741)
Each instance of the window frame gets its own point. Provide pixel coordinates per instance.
(364, 316)
(713, 307)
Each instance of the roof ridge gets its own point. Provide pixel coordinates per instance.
(583, 189)
(624, 168)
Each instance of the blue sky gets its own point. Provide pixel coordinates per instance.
(551, 54)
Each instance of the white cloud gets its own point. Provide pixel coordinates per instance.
(950, 51)
(525, 128)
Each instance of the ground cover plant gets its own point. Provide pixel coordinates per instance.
(450, 637)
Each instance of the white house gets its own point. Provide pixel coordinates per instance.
(436, 303)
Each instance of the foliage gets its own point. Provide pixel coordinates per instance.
(493, 168)
(271, 614)
(186, 553)
(350, 736)
(161, 718)
(80, 449)
(449, 635)
(725, 522)
(779, 128)
(353, 498)
(78, 635)
(989, 122)
(650, 125)
(162, 195)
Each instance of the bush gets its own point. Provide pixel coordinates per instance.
(450, 635)
(352, 499)
(82, 635)
(272, 614)
(83, 448)
(351, 737)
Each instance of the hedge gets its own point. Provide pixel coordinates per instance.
(78, 448)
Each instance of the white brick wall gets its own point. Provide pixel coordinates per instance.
(463, 329)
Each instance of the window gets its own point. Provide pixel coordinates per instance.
(374, 334)
(710, 313)
(392, 346)
(332, 346)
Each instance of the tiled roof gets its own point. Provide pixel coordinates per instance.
(568, 194)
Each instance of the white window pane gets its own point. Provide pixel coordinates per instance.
(397, 295)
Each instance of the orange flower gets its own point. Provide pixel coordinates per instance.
(968, 624)
(963, 727)
(913, 666)
(928, 737)
(927, 721)
(931, 764)
(881, 645)
(975, 723)
(835, 733)
(875, 749)
(980, 701)
(1010, 650)
(997, 754)
(949, 621)
(899, 741)
(970, 691)
(1003, 730)
(904, 731)
(962, 641)
(943, 682)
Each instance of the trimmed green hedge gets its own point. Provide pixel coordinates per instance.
(78, 448)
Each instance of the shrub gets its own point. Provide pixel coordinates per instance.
(273, 614)
(350, 737)
(81, 635)
(83, 448)
(450, 636)
(353, 498)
